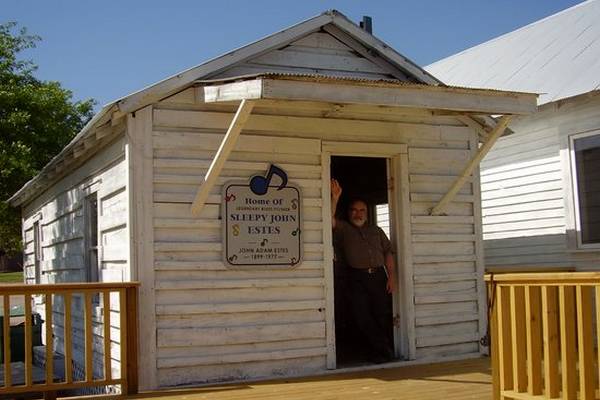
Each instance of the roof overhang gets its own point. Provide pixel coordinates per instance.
(376, 93)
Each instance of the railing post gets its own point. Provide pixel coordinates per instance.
(533, 319)
(585, 344)
(505, 358)
(494, 351)
(132, 339)
(568, 345)
(519, 338)
(550, 335)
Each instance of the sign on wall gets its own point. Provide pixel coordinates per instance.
(262, 221)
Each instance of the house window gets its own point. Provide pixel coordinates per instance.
(37, 252)
(586, 167)
(91, 238)
(382, 217)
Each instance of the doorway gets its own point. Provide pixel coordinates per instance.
(365, 178)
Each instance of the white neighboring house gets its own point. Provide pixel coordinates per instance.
(541, 186)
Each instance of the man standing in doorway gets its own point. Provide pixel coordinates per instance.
(372, 276)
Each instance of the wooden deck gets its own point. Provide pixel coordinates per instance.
(469, 379)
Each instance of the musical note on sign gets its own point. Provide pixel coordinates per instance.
(229, 198)
(296, 232)
(260, 184)
(264, 242)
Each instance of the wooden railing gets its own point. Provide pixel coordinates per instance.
(96, 308)
(545, 331)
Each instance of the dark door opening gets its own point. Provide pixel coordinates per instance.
(365, 178)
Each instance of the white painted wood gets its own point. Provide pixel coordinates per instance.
(238, 283)
(241, 372)
(63, 228)
(225, 148)
(434, 129)
(320, 40)
(428, 97)
(181, 140)
(183, 163)
(234, 308)
(140, 155)
(402, 193)
(237, 335)
(527, 191)
(241, 357)
(432, 238)
(328, 260)
(366, 52)
(244, 90)
(290, 57)
(196, 291)
(442, 219)
(364, 149)
(472, 165)
(451, 162)
(479, 252)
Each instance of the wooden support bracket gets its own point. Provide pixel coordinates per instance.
(229, 141)
(473, 163)
(476, 126)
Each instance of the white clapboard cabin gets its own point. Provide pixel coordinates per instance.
(540, 185)
(149, 168)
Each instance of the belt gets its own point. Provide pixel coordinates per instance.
(370, 270)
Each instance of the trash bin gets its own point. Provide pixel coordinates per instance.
(17, 337)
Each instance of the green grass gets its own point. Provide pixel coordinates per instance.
(11, 277)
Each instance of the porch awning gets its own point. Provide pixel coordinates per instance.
(391, 93)
(466, 102)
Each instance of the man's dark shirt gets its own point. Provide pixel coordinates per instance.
(363, 247)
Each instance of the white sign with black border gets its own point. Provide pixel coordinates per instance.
(262, 221)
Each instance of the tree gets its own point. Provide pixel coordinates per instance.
(37, 119)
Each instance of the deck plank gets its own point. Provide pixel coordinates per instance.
(466, 379)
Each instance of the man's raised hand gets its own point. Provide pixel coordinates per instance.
(336, 190)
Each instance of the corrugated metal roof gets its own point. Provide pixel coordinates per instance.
(359, 81)
(558, 56)
(304, 75)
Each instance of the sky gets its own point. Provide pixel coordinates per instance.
(107, 50)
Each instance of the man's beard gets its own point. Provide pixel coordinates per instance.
(358, 222)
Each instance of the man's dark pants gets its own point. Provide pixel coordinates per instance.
(372, 311)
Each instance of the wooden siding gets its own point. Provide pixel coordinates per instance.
(316, 53)
(526, 192)
(61, 209)
(214, 323)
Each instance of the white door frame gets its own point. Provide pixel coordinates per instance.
(399, 205)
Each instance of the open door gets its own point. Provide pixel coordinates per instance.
(368, 179)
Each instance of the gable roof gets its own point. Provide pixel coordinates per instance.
(212, 67)
(558, 57)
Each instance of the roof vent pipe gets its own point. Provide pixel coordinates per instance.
(367, 24)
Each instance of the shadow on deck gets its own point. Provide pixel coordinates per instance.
(468, 379)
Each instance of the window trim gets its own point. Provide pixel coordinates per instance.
(575, 190)
(90, 275)
(37, 252)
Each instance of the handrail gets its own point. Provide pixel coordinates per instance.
(542, 330)
(521, 268)
(546, 278)
(116, 297)
(59, 287)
